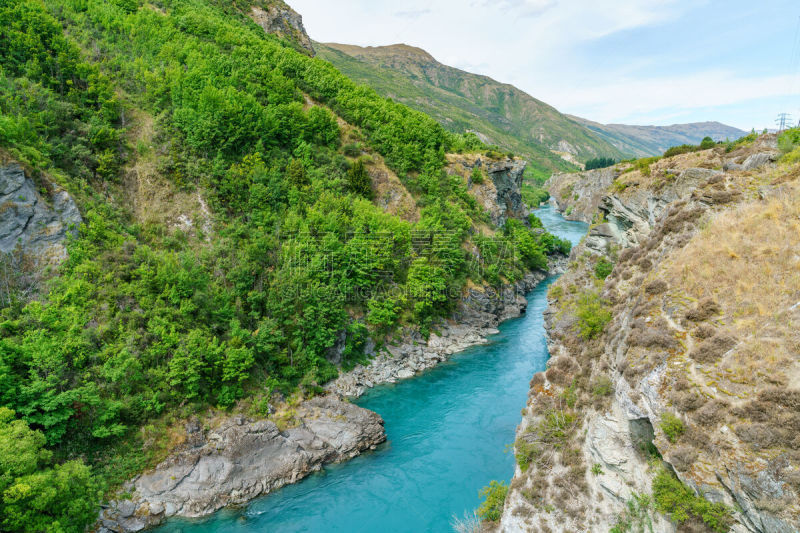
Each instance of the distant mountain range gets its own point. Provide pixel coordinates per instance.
(502, 114)
(643, 141)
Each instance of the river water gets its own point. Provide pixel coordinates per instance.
(449, 433)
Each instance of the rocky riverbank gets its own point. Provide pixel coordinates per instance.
(479, 313)
(239, 459)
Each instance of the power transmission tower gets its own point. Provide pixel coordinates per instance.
(782, 120)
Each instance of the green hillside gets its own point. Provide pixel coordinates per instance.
(229, 235)
(461, 101)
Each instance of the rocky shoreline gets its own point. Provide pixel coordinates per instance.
(479, 313)
(241, 459)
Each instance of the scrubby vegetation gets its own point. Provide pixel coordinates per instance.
(682, 505)
(637, 517)
(789, 145)
(147, 323)
(534, 195)
(672, 426)
(592, 313)
(603, 268)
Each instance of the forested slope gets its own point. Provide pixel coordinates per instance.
(229, 235)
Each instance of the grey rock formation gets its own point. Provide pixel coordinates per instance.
(31, 224)
(507, 179)
(580, 193)
(283, 21)
(241, 459)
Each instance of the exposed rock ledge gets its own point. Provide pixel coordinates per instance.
(242, 459)
(478, 315)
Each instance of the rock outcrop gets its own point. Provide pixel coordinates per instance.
(241, 459)
(279, 19)
(34, 223)
(507, 179)
(500, 195)
(688, 379)
(578, 195)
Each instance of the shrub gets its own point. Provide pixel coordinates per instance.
(747, 139)
(603, 268)
(597, 469)
(681, 504)
(525, 453)
(477, 176)
(352, 149)
(618, 186)
(707, 143)
(678, 150)
(789, 140)
(555, 292)
(600, 162)
(592, 313)
(494, 498)
(359, 179)
(672, 426)
(602, 386)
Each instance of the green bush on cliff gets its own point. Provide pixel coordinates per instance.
(672, 426)
(592, 313)
(494, 498)
(603, 268)
(477, 176)
(681, 504)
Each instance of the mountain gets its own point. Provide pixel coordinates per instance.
(644, 141)
(503, 114)
(499, 113)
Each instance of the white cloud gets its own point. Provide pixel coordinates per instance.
(549, 48)
(635, 99)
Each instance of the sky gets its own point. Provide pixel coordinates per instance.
(654, 62)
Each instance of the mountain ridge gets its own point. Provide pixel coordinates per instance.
(500, 110)
(648, 140)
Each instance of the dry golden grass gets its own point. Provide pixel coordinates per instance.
(747, 259)
(153, 198)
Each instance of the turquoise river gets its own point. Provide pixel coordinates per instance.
(449, 433)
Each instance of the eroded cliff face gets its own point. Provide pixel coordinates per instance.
(577, 195)
(500, 193)
(239, 459)
(682, 364)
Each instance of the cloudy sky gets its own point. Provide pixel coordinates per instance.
(628, 61)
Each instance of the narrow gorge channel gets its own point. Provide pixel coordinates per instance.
(449, 432)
